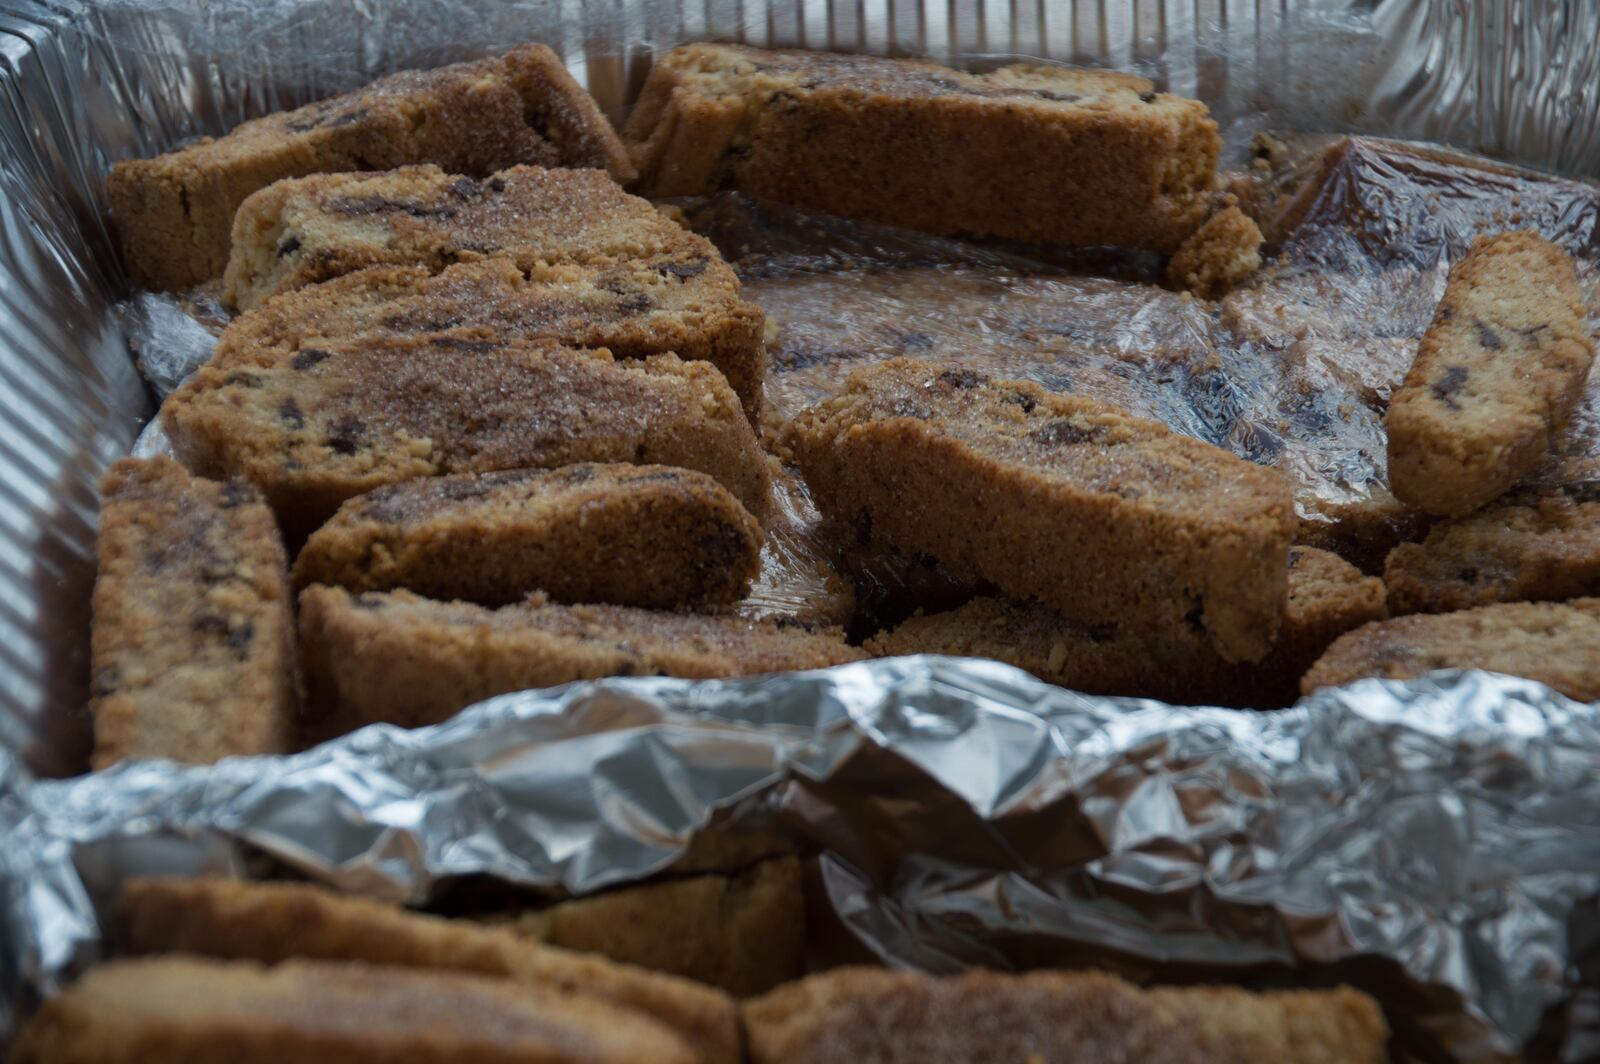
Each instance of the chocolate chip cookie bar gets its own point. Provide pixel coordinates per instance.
(686, 304)
(192, 642)
(396, 657)
(1556, 643)
(1496, 376)
(1047, 154)
(273, 922)
(743, 933)
(316, 426)
(1109, 518)
(315, 1012)
(174, 213)
(1536, 544)
(877, 1016)
(304, 230)
(649, 535)
(1327, 597)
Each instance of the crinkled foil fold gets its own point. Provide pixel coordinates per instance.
(1435, 842)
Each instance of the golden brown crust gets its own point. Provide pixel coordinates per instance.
(687, 304)
(395, 657)
(650, 536)
(272, 922)
(320, 425)
(1537, 544)
(192, 643)
(174, 213)
(1048, 154)
(1106, 517)
(743, 933)
(183, 1009)
(304, 230)
(1496, 376)
(1556, 643)
(1327, 597)
(876, 1016)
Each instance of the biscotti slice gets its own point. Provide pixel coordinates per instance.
(183, 1009)
(1555, 643)
(651, 536)
(1047, 154)
(174, 213)
(1109, 518)
(318, 425)
(398, 658)
(1496, 376)
(743, 933)
(192, 642)
(686, 304)
(272, 922)
(309, 229)
(1534, 545)
(877, 1016)
(1327, 597)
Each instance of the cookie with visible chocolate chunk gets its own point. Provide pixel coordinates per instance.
(315, 426)
(174, 213)
(880, 1015)
(397, 657)
(1106, 517)
(192, 641)
(1496, 376)
(1327, 597)
(1536, 544)
(647, 535)
(1040, 153)
(685, 303)
(304, 230)
(1555, 643)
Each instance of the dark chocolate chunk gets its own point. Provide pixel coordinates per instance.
(683, 270)
(307, 357)
(1062, 432)
(495, 184)
(243, 380)
(961, 378)
(464, 187)
(235, 492)
(346, 435)
(1147, 97)
(1488, 339)
(1446, 390)
(289, 247)
(1024, 400)
(290, 412)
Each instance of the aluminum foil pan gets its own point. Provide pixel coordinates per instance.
(1436, 842)
(1432, 842)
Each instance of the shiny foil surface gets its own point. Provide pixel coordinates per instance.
(1433, 842)
(1436, 843)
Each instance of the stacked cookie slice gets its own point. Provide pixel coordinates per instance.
(515, 413)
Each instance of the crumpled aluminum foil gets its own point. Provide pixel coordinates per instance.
(1429, 841)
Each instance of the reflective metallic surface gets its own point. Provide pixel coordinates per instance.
(1427, 841)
